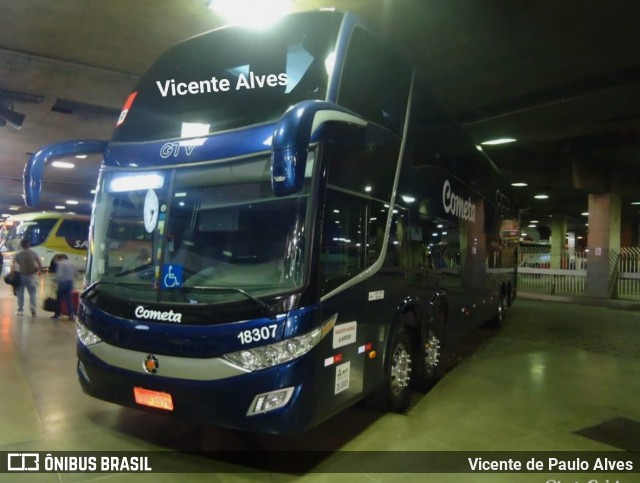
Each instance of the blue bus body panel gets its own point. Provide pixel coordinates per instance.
(226, 145)
(222, 402)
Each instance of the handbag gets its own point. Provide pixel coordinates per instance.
(12, 278)
(50, 304)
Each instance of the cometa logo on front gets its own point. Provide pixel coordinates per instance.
(166, 316)
(456, 205)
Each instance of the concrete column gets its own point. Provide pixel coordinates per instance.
(603, 243)
(558, 231)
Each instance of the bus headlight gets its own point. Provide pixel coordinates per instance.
(85, 335)
(271, 355)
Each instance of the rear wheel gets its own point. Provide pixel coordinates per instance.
(427, 357)
(498, 319)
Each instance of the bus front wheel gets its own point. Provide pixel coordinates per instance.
(397, 390)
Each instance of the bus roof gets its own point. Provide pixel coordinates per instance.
(38, 215)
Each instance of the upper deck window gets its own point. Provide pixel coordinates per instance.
(375, 82)
(231, 78)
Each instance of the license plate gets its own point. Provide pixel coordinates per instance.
(153, 399)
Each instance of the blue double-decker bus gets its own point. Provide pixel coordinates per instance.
(272, 239)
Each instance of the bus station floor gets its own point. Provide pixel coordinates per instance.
(558, 377)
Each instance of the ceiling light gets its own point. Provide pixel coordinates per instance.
(534, 221)
(259, 13)
(408, 199)
(63, 165)
(368, 189)
(519, 184)
(60, 207)
(14, 208)
(494, 142)
(5, 215)
(93, 191)
(585, 213)
(71, 202)
(541, 197)
(532, 226)
(635, 203)
(81, 156)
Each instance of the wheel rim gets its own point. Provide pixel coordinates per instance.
(400, 369)
(432, 353)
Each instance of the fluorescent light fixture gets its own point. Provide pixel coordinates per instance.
(494, 142)
(408, 199)
(61, 207)
(635, 202)
(81, 156)
(71, 202)
(259, 13)
(519, 184)
(585, 213)
(180, 194)
(93, 191)
(541, 197)
(5, 215)
(63, 165)
(136, 182)
(532, 226)
(534, 221)
(14, 208)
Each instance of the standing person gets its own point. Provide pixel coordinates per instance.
(65, 273)
(27, 262)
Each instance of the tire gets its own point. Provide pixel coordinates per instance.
(395, 393)
(427, 358)
(498, 320)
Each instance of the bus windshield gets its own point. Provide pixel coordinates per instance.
(232, 78)
(197, 234)
(36, 231)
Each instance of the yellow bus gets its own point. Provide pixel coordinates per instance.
(49, 233)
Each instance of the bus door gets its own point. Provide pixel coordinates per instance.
(342, 257)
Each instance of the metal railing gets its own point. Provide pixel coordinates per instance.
(536, 275)
(628, 276)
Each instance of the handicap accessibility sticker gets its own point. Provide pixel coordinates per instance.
(172, 276)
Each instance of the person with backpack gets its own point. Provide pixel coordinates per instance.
(27, 263)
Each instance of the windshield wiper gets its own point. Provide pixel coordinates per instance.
(93, 286)
(266, 308)
(139, 268)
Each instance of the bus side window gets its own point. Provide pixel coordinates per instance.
(75, 232)
(343, 246)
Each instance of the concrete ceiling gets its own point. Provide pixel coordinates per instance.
(561, 77)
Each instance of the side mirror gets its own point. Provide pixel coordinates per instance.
(292, 135)
(34, 169)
